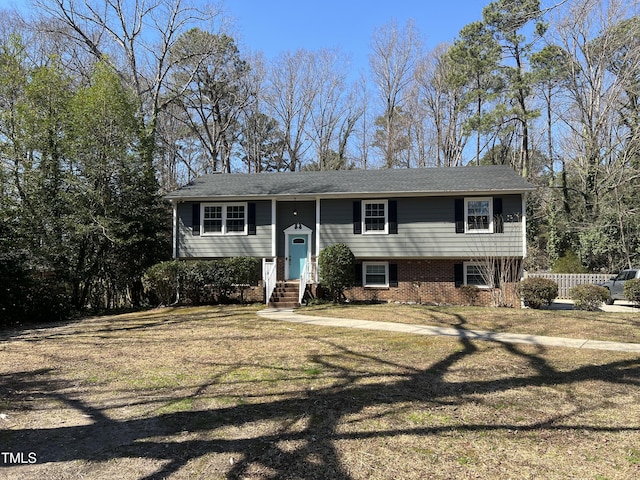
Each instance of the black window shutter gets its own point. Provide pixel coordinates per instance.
(195, 219)
(458, 274)
(459, 215)
(357, 217)
(393, 274)
(358, 274)
(251, 219)
(393, 216)
(498, 221)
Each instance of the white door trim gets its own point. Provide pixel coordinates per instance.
(295, 229)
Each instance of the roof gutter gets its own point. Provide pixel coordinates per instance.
(343, 195)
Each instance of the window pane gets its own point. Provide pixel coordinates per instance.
(374, 210)
(375, 269)
(212, 222)
(212, 212)
(374, 224)
(478, 215)
(376, 275)
(475, 275)
(235, 218)
(212, 226)
(374, 217)
(478, 222)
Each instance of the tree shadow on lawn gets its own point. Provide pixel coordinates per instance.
(161, 318)
(311, 448)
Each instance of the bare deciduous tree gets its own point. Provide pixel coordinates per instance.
(445, 107)
(135, 38)
(393, 61)
(601, 128)
(290, 94)
(211, 86)
(334, 112)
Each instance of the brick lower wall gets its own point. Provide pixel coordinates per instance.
(254, 293)
(426, 282)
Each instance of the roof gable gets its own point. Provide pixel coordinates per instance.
(400, 182)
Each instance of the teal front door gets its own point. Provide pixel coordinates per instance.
(298, 248)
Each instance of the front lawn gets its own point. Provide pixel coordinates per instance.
(609, 326)
(219, 393)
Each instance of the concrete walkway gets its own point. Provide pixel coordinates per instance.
(618, 306)
(289, 315)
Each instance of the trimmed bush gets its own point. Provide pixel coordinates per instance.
(336, 265)
(243, 272)
(588, 297)
(632, 290)
(200, 281)
(537, 292)
(197, 280)
(161, 282)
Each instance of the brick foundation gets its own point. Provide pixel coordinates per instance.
(430, 282)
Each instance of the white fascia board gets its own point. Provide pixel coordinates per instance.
(339, 195)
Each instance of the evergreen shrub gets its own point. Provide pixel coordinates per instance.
(336, 269)
(588, 297)
(200, 282)
(537, 292)
(632, 290)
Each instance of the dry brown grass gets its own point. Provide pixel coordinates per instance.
(217, 393)
(609, 326)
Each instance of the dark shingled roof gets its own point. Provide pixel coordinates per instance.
(402, 182)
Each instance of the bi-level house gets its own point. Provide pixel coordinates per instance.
(417, 234)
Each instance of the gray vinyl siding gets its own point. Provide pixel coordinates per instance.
(215, 246)
(285, 218)
(426, 228)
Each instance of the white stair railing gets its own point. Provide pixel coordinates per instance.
(305, 276)
(270, 278)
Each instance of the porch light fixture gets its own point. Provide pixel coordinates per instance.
(297, 225)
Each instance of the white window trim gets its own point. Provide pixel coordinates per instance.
(375, 285)
(224, 219)
(468, 264)
(466, 214)
(386, 218)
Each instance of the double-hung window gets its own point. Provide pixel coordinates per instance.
(478, 213)
(477, 273)
(375, 216)
(224, 219)
(235, 219)
(375, 274)
(212, 219)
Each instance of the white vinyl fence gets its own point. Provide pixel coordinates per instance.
(567, 280)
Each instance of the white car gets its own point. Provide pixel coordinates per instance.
(615, 284)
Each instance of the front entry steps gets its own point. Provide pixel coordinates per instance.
(285, 295)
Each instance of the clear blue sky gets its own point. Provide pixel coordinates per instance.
(274, 26)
